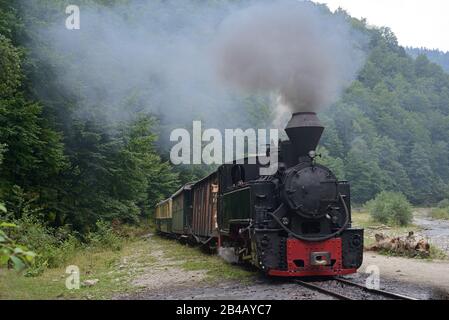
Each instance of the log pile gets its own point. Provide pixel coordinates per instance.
(410, 245)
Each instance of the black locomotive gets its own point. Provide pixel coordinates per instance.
(296, 222)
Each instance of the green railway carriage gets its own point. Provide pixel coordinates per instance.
(182, 211)
(163, 216)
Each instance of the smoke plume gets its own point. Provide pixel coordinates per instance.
(169, 58)
(292, 48)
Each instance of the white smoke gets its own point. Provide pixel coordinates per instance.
(169, 58)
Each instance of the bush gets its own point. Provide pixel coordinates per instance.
(53, 247)
(13, 255)
(42, 247)
(391, 208)
(443, 204)
(104, 237)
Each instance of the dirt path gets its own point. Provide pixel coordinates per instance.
(161, 270)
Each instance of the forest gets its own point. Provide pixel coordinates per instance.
(437, 56)
(66, 166)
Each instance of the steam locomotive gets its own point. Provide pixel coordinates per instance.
(294, 223)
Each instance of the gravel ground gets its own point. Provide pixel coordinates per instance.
(260, 289)
(278, 289)
(272, 289)
(413, 277)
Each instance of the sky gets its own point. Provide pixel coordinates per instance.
(416, 23)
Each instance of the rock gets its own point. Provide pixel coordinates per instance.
(89, 283)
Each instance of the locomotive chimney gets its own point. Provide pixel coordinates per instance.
(304, 131)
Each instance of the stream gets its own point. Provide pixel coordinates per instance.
(436, 231)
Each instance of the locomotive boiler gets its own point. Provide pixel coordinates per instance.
(296, 222)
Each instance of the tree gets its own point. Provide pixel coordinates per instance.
(421, 175)
(10, 69)
(335, 164)
(363, 172)
(32, 152)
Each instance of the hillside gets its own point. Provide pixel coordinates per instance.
(390, 129)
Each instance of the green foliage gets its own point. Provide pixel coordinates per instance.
(62, 166)
(86, 170)
(115, 176)
(437, 56)
(12, 254)
(390, 208)
(10, 70)
(442, 212)
(443, 204)
(391, 126)
(31, 152)
(2, 150)
(104, 237)
(335, 164)
(53, 247)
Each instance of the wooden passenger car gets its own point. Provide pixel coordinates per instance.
(163, 216)
(182, 211)
(204, 217)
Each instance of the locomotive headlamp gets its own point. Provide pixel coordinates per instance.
(312, 154)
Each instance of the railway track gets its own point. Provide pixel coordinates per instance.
(343, 289)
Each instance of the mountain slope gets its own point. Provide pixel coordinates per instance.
(390, 129)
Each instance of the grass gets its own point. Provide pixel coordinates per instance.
(101, 265)
(115, 271)
(194, 259)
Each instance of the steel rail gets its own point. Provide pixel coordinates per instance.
(322, 290)
(376, 291)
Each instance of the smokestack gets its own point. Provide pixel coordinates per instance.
(304, 131)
